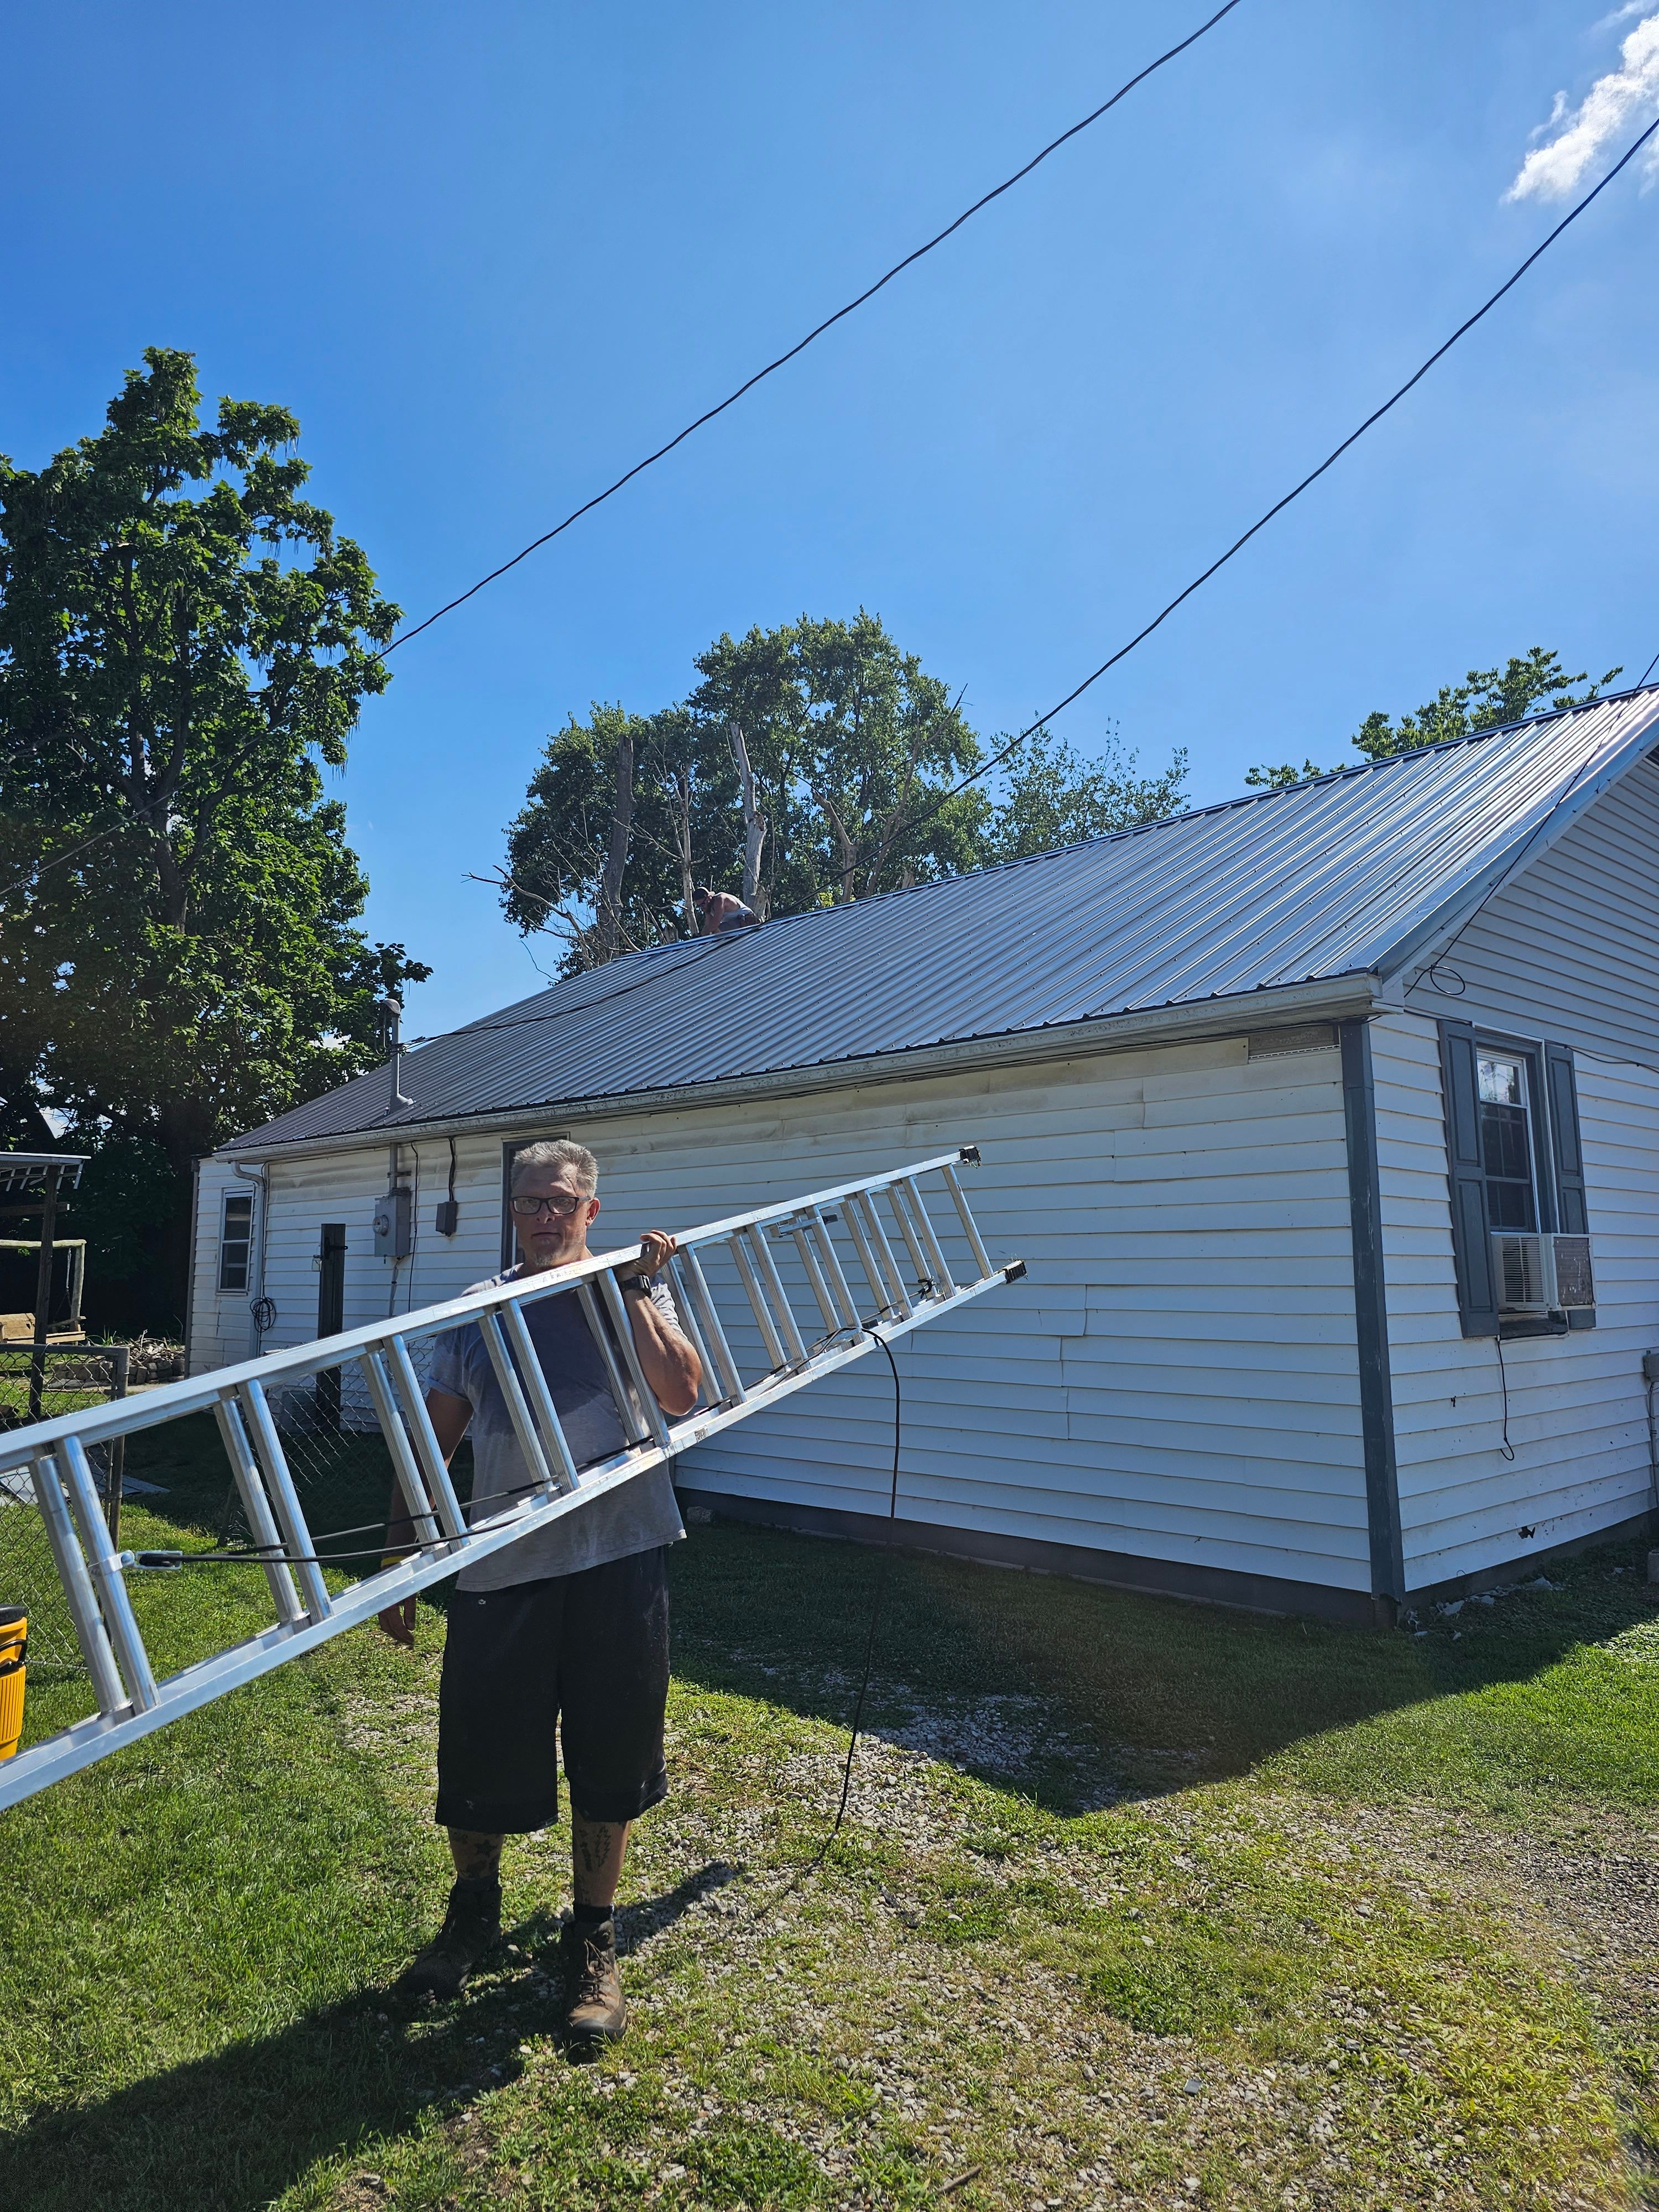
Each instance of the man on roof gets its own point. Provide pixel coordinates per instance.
(566, 1629)
(719, 910)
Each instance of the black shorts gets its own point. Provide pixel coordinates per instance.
(588, 1651)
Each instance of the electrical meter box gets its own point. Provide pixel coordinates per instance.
(392, 1217)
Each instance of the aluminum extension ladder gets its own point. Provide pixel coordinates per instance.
(743, 1260)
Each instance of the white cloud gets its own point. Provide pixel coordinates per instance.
(1620, 15)
(1550, 172)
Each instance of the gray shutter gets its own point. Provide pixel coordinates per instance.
(1477, 1292)
(1566, 1154)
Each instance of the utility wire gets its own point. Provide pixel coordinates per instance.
(1313, 477)
(731, 398)
(828, 323)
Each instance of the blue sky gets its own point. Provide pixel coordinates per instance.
(489, 256)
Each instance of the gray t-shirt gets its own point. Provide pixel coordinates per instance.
(637, 1516)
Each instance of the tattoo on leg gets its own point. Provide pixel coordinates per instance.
(596, 1849)
(477, 1857)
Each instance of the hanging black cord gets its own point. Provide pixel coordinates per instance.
(1506, 1447)
(878, 1603)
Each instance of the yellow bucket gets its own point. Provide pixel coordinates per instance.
(14, 1648)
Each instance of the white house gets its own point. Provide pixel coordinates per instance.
(1259, 1091)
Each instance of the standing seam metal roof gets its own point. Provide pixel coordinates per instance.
(1350, 873)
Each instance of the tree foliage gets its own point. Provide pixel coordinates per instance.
(1051, 796)
(1485, 700)
(855, 753)
(185, 643)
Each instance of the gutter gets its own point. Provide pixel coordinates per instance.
(1339, 998)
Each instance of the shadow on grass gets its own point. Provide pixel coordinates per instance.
(229, 2132)
(1168, 1693)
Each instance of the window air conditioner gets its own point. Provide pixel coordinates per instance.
(1541, 1274)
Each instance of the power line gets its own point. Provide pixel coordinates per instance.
(731, 400)
(828, 323)
(1313, 477)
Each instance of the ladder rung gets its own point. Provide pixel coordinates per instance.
(713, 1330)
(886, 1263)
(107, 1578)
(839, 1286)
(517, 1408)
(284, 1498)
(814, 1273)
(424, 1436)
(78, 1592)
(616, 1307)
(763, 1312)
(630, 1415)
(262, 1527)
(975, 1241)
(793, 1345)
(545, 1413)
(416, 1503)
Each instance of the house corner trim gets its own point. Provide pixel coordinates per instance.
(1371, 1313)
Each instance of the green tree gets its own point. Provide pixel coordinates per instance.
(1051, 796)
(813, 764)
(624, 815)
(1486, 699)
(184, 643)
(856, 751)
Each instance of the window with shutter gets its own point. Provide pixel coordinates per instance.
(1477, 1293)
(1566, 1155)
(1514, 1163)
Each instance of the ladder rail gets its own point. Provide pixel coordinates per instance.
(194, 1687)
(92, 1572)
(128, 1417)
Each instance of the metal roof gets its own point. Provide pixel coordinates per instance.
(1354, 872)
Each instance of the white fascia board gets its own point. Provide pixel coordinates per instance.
(1336, 999)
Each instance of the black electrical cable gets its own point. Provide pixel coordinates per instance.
(731, 398)
(877, 1604)
(939, 799)
(1506, 1447)
(828, 323)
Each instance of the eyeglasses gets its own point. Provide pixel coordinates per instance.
(560, 1204)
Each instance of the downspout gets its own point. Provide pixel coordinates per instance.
(259, 1316)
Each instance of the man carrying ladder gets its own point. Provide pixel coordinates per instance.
(567, 1628)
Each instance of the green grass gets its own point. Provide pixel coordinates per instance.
(1187, 1907)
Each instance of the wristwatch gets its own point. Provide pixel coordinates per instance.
(635, 1283)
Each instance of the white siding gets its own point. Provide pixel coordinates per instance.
(1577, 1420)
(1566, 950)
(1176, 1379)
(220, 1330)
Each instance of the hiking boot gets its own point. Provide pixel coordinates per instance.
(471, 1924)
(594, 2008)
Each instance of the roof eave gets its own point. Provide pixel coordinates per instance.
(1332, 998)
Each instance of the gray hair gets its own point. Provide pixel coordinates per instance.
(556, 1152)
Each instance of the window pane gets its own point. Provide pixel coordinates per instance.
(1504, 1142)
(1500, 1083)
(1510, 1204)
(235, 1240)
